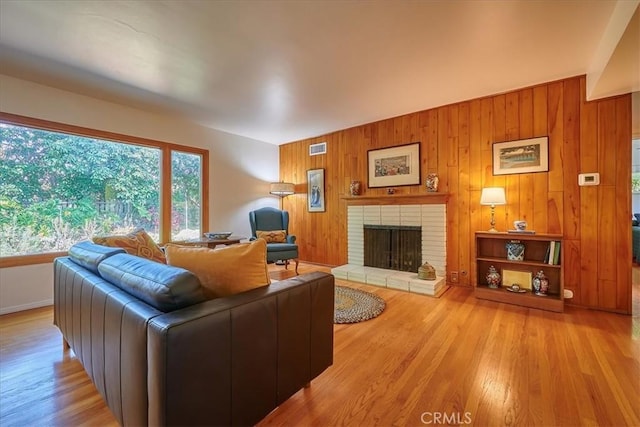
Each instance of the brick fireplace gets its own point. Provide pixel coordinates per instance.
(430, 219)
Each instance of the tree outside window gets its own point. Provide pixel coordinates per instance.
(57, 189)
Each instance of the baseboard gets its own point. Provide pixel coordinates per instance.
(23, 307)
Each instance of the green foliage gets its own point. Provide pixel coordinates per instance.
(55, 188)
(38, 216)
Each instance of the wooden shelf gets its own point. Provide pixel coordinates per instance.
(528, 299)
(506, 261)
(491, 251)
(397, 199)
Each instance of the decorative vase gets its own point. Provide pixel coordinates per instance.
(493, 278)
(515, 250)
(540, 284)
(432, 182)
(426, 272)
(354, 188)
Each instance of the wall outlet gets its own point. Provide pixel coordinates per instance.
(454, 276)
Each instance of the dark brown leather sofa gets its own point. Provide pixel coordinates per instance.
(159, 353)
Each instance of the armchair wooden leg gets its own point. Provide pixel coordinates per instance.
(286, 265)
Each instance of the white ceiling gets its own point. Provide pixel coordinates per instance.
(280, 71)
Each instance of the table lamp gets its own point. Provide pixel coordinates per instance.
(493, 196)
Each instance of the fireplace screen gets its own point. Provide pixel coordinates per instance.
(393, 247)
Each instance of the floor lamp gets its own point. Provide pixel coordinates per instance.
(282, 190)
(493, 196)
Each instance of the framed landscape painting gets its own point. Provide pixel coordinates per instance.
(523, 156)
(315, 190)
(394, 166)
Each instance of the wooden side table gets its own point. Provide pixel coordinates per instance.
(211, 243)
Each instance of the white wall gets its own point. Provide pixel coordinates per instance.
(240, 168)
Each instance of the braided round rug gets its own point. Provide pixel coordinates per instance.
(354, 305)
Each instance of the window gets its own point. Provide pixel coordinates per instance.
(185, 195)
(61, 184)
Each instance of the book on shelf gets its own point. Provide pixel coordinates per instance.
(546, 255)
(556, 255)
(552, 257)
(521, 231)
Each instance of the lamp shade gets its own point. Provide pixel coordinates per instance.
(282, 189)
(493, 196)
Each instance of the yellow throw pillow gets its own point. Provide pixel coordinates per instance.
(227, 271)
(138, 242)
(273, 236)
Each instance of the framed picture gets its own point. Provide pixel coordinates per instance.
(523, 156)
(394, 166)
(315, 190)
(513, 277)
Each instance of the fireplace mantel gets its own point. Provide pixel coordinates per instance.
(398, 199)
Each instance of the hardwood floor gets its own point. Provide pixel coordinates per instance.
(452, 360)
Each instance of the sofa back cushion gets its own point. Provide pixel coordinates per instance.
(227, 271)
(163, 287)
(89, 255)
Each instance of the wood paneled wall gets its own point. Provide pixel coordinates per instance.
(455, 141)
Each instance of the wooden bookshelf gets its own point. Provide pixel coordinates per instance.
(491, 250)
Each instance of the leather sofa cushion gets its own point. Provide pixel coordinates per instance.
(89, 255)
(227, 271)
(163, 287)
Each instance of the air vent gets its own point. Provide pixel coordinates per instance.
(320, 148)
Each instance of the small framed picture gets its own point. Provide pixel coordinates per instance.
(523, 156)
(315, 190)
(394, 166)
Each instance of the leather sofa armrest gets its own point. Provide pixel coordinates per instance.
(232, 360)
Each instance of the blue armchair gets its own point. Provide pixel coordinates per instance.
(272, 219)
